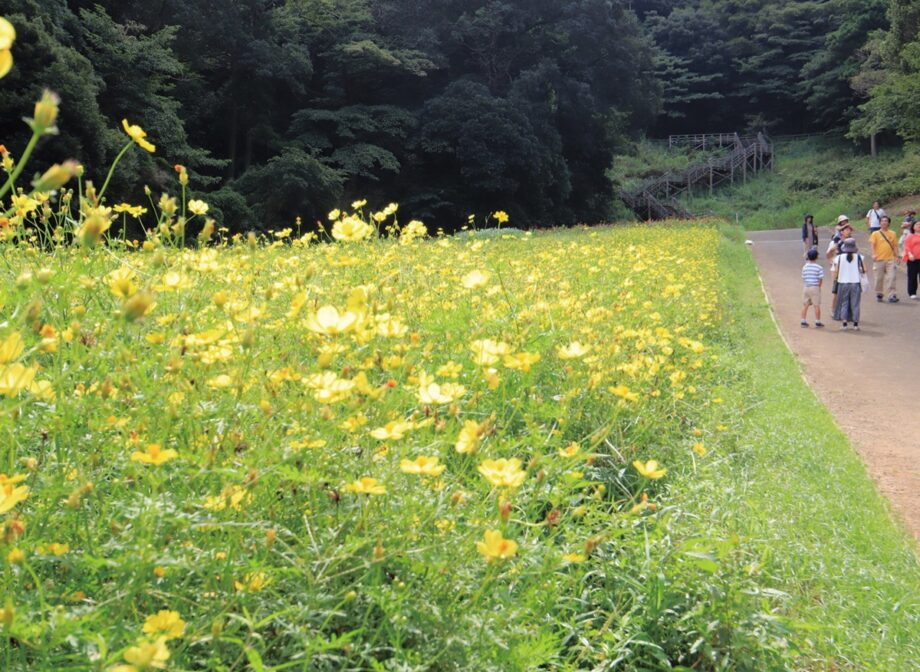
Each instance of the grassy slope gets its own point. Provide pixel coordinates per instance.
(824, 177)
(797, 487)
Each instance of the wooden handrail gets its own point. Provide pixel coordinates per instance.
(654, 198)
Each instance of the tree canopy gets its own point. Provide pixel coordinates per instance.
(287, 108)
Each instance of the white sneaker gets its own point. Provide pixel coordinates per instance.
(913, 297)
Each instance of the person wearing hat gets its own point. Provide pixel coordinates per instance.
(848, 270)
(885, 259)
(842, 231)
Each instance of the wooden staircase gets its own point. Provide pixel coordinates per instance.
(744, 156)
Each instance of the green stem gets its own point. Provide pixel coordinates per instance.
(20, 165)
(112, 169)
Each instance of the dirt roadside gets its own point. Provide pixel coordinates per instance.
(870, 380)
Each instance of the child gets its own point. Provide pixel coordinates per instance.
(813, 277)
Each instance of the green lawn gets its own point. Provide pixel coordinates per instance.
(796, 490)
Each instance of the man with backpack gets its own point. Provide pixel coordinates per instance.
(885, 255)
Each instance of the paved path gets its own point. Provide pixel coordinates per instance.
(870, 380)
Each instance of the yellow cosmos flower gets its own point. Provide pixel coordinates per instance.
(23, 204)
(148, 654)
(470, 436)
(135, 211)
(487, 352)
(165, 623)
(10, 494)
(574, 558)
(503, 473)
(649, 469)
(412, 230)
(432, 393)
(475, 279)
(328, 320)
(174, 281)
(351, 229)
(624, 393)
(154, 454)
(573, 350)
(16, 377)
(57, 549)
(329, 388)
(11, 348)
(389, 326)
(699, 448)
(501, 217)
(138, 134)
(121, 283)
(252, 582)
(366, 486)
(7, 37)
(570, 450)
(422, 466)
(197, 207)
(495, 547)
(233, 496)
(521, 361)
(392, 431)
(450, 370)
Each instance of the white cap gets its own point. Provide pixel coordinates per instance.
(843, 218)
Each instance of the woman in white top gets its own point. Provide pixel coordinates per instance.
(848, 268)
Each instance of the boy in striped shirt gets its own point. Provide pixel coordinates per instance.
(813, 277)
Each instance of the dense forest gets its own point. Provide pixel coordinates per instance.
(287, 108)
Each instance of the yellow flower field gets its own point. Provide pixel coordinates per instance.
(448, 452)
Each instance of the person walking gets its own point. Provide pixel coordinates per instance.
(809, 234)
(885, 257)
(874, 217)
(912, 257)
(848, 271)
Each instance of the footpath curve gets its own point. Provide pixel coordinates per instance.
(870, 380)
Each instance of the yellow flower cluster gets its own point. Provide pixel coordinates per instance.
(291, 420)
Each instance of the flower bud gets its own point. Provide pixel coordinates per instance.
(206, 231)
(138, 305)
(46, 112)
(56, 176)
(7, 613)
